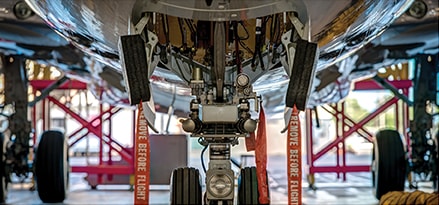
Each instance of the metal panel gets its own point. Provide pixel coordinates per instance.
(219, 113)
(167, 153)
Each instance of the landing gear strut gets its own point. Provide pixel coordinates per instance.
(52, 169)
(221, 81)
(15, 140)
(424, 148)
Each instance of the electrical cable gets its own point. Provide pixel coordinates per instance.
(237, 54)
(246, 47)
(182, 31)
(165, 28)
(247, 35)
(236, 163)
(202, 158)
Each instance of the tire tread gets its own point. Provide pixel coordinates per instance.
(49, 167)
(391, 167)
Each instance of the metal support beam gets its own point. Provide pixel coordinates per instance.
(102, 169)
(106, 167)
(373, 85)
(346, 126)
(356, 127)
(361, 131)
(394, 90)
(15, 77)
(47, 90)
(91, 128)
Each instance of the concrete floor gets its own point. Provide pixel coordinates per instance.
(328, 192)
(331, 190)
(81, 193)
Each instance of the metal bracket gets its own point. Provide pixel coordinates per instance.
(140, 26)
(151, 40)
(149, 112)
(149, 47)
(290, 49)
(302, 57)
(302, 29)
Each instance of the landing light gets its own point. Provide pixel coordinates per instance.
(22, 10)
(220, 185)
(242, 80)
(418, 9)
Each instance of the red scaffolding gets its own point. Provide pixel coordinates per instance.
(107, 168)
(346, 126)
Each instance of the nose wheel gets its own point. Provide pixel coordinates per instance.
(248, 186)
(185, 186)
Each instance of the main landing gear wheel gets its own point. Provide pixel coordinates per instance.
(388, 163)
(51, 167)
(248, 186)
(3, 182)
(185, 186)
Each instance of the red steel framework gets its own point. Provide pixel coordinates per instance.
(345, 127)
(105, 166)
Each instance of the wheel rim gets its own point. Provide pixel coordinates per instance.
(66, 170)
(374, 168)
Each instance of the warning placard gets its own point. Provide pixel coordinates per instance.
(142, 160)
(294, 163)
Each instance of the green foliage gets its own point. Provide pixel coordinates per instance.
(354, 110)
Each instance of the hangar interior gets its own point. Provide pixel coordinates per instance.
(81, 124)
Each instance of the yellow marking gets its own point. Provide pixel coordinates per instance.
(395, 72)
(340, 24)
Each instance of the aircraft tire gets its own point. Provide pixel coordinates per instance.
(3, 182)
(135, 65)
(248, 186)
(51, 167)
(389, 165)
(415, 197)
(185, 186)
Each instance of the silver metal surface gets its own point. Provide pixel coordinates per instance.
(340, 27)
(219, 113)
(103, 21)
(221, 10)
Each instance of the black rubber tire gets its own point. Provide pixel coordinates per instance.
(389, 170)
(248, 186)
(51, 167)
(133, 55)
(185, 186)
(3, 182)
(301, 74)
